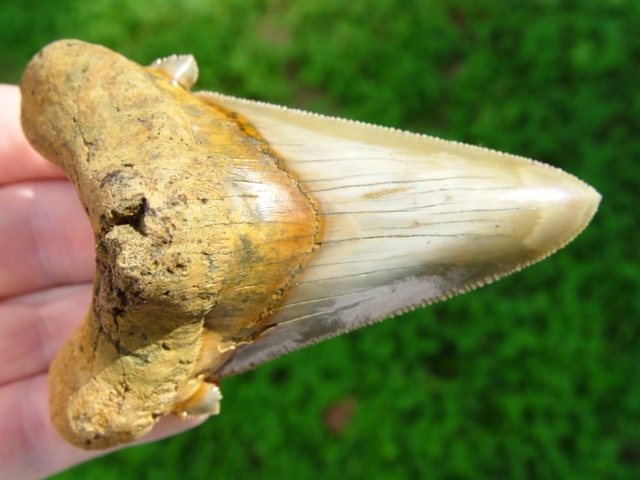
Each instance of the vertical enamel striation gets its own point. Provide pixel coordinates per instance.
(198, 231)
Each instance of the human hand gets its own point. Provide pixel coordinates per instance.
(46, 270)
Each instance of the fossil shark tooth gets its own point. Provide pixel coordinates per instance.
(229, 232)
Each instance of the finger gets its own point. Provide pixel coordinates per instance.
(19, 162)
(45, 236)
(33, 328)
(29, 445)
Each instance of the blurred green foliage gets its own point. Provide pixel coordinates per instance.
(531, 378)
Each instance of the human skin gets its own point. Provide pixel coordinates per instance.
(46, 273)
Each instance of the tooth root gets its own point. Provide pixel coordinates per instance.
(408, 220)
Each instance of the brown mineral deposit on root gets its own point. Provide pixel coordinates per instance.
(196, 227)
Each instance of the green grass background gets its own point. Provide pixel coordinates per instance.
(534, 377)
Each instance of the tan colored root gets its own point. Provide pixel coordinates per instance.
(198, 231)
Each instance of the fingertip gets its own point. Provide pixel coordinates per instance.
(171, 425)
(18, 160)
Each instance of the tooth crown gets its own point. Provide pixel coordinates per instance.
(408, 220)
(229, 232)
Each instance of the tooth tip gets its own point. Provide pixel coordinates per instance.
(566, 205)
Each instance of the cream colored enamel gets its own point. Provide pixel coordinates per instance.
(409, 220)
(181, 69)
(205, 402)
